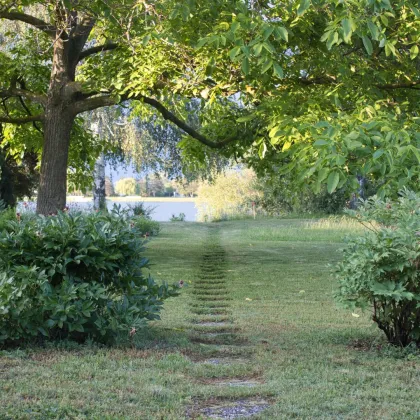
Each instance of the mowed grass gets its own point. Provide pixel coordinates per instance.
(312, 359)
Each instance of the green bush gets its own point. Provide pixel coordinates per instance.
(146, 226)
(75, 276)
(180, 218)
(6, 216)
(380, 269)
(140, 209)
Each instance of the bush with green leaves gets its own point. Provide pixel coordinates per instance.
(146, 226)
(180, 218)
(140, 209)
(381, 269)
(75, 276)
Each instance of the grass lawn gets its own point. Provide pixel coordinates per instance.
(257, 324)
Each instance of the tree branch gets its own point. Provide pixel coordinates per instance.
(99, 48)
(21, 120)
(15, 92)
(411, 85)
(168, 115)
(108, 100)
(51, 30)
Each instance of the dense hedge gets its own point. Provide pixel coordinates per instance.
(76, 276)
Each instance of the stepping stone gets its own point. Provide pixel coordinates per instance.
(241, 408)
(240, 383)
(224, 361)
(213, 324)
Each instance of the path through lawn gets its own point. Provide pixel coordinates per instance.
(256, 332)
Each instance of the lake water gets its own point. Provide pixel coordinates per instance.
(163, 210)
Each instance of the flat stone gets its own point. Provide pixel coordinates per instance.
(236, 383)
(234, 409)
(224, 361)
(213, 324)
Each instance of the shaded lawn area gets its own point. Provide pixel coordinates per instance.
(313, 360)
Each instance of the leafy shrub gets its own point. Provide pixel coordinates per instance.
(381, 268)
(146, 226)
(6, 216)
(180, 218)
(140, 209)
(74, 276)
(3, 205)
(228, 196)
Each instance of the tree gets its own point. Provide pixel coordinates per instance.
(187, 187)
(155, 186)
(74, 38)
(325, 90)
(230, 194)
(334, 87)
(109, 187)
(126, 186)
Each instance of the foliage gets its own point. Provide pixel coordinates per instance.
(75, 275)
(109, 187)
(282, 195)
(6, 215)
(146, 226)
(18, 174)
(180, 218)
(140, 209)
(327, 92)
(331, 89)
(125, 186)
(381, 268)
(229, 195)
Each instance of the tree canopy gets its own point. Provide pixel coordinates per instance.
(325, 90)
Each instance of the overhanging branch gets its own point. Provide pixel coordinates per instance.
(21, 120)
(410, 85)
(109, 100)
(168, 115)
(97, 49)
(51, 30)
(15, 92)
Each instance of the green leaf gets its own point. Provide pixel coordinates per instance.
(303, 7)
(321, 142)
(384, 20)
(368, 45)
(246, 118)
(262, 150)
(257, 49)
(374, 31)
(332, 181)
(322, 174)
(278, 71)
(390, 49)
(347, 29)
(268, 31)
(266, 66)
(234, 52)
(283, 33)
(414, 51)
(210, 66)
(378, 153)
(245, 66)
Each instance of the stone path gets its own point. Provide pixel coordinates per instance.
(214, 330)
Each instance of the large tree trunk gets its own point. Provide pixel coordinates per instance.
(53, 183)
(58, 120)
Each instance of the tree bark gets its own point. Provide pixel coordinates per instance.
(99, 202)
(53, 183)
